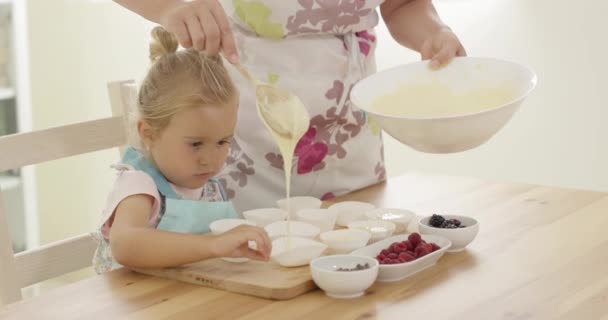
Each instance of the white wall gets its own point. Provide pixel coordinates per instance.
(559, 135)
(556, 138)
(77, 46)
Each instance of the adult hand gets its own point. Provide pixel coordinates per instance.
(202, 25)
(441, 48)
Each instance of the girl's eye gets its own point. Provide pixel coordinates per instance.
(196, 144)
(224, 142)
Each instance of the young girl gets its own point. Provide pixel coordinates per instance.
(164, 198)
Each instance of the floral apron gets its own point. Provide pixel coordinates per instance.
(317, 49)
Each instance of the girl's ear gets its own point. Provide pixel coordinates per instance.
(146, 133)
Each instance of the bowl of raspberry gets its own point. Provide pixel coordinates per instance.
(404, 255)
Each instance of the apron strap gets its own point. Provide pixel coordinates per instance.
(139, 162)
(355, 68)
(163, 207)
(220, 187)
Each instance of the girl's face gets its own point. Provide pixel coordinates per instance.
(194, 146)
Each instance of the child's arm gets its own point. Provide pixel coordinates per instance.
(415, 24)
(134, 244)
(199, 24)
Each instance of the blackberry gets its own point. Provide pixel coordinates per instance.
(436, 221)
(448, 224)
(456, 222)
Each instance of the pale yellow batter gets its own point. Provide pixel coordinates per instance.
(438, 100)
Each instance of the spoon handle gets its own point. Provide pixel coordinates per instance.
(246, 73)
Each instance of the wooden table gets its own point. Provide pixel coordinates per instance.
(541, 253)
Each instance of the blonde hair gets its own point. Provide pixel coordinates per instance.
(180, 79)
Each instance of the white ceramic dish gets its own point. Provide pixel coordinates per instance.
(265, 216)
(448, 133)
(400, 217)
(297, 228)
(343, 284)
(349, 211)
(298, 203)
(345, 240)
(295, 251)
(324, 219)
(378, 229)
(396, 272)
(460, 237)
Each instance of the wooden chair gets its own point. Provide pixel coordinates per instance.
(123, 98)
(17, 150)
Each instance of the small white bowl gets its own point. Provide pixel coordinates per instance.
(265, 216)
(295, 251)
(378, 229)
(400, 217)
(298, 203)
(324, 219)
(222, 225)
(296, 229)
(343, 284)
(451, 133)
(460, 237)
(349, 211)
(345, 240)
(396, 272)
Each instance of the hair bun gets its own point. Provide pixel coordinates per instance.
(164, 43)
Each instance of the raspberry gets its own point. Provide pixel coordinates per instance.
(394, 247)
(429, 247)
(414, 238)
(381, 257)
(392, 255)
(406, 257)
(408, 245)
(402, 247)
(421, 251)
(435, 246)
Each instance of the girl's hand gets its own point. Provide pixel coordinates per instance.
(441, 47)
(203, 25)
(235, 243)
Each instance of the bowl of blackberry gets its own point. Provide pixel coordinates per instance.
(460, 230)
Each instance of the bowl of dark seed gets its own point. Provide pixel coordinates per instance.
(344, 276)
(460, 230)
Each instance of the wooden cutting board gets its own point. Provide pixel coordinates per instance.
(261, 279)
